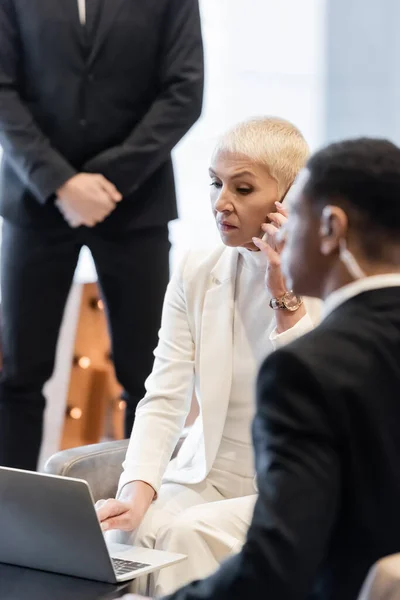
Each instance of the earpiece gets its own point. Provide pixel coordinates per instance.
(327, 212)
(326, 228)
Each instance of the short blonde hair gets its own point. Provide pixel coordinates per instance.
(271, 142)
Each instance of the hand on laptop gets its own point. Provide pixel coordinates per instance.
(114, 514)
(127, 513)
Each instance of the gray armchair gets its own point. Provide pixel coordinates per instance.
(98, 464)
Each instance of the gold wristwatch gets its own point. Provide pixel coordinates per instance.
(289, 301)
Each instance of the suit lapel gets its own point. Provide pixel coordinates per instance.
(216, 349)
(71, 8)
(108, 14)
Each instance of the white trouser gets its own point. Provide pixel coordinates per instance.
(196, 520)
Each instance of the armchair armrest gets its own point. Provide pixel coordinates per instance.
(98, 464)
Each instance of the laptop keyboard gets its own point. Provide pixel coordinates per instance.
(122, 567)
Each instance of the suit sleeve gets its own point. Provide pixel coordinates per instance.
(298, 477)
(40, 166)
(161, 415)
(177, 106)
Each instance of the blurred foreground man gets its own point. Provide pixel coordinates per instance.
(94, 95)
(326, 434)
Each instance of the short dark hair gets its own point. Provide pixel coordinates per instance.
(363, 176)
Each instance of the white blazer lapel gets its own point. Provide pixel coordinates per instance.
(216, 351)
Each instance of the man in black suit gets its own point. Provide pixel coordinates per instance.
(326, 434)
(94, 95)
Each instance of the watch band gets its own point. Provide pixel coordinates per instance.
(289, 301)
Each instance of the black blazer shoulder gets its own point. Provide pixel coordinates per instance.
(369, 319)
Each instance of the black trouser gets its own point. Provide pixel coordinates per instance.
(37, 269)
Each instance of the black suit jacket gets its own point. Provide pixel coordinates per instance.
(327, 444)
(117, 106)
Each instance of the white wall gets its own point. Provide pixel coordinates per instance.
(363, 75)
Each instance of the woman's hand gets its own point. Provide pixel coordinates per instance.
(274, 280)
(272, 247)
(127, 513)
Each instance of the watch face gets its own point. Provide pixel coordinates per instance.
(291, 301)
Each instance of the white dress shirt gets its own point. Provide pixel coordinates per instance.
(82, 11)
(375, 282)
(251, 330)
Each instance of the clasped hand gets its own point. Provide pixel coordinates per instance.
(87, 199)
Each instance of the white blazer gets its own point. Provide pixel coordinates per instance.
(194, 354)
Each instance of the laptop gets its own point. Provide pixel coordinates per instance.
(49, 523)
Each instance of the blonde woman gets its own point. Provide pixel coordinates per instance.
(224, 311)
